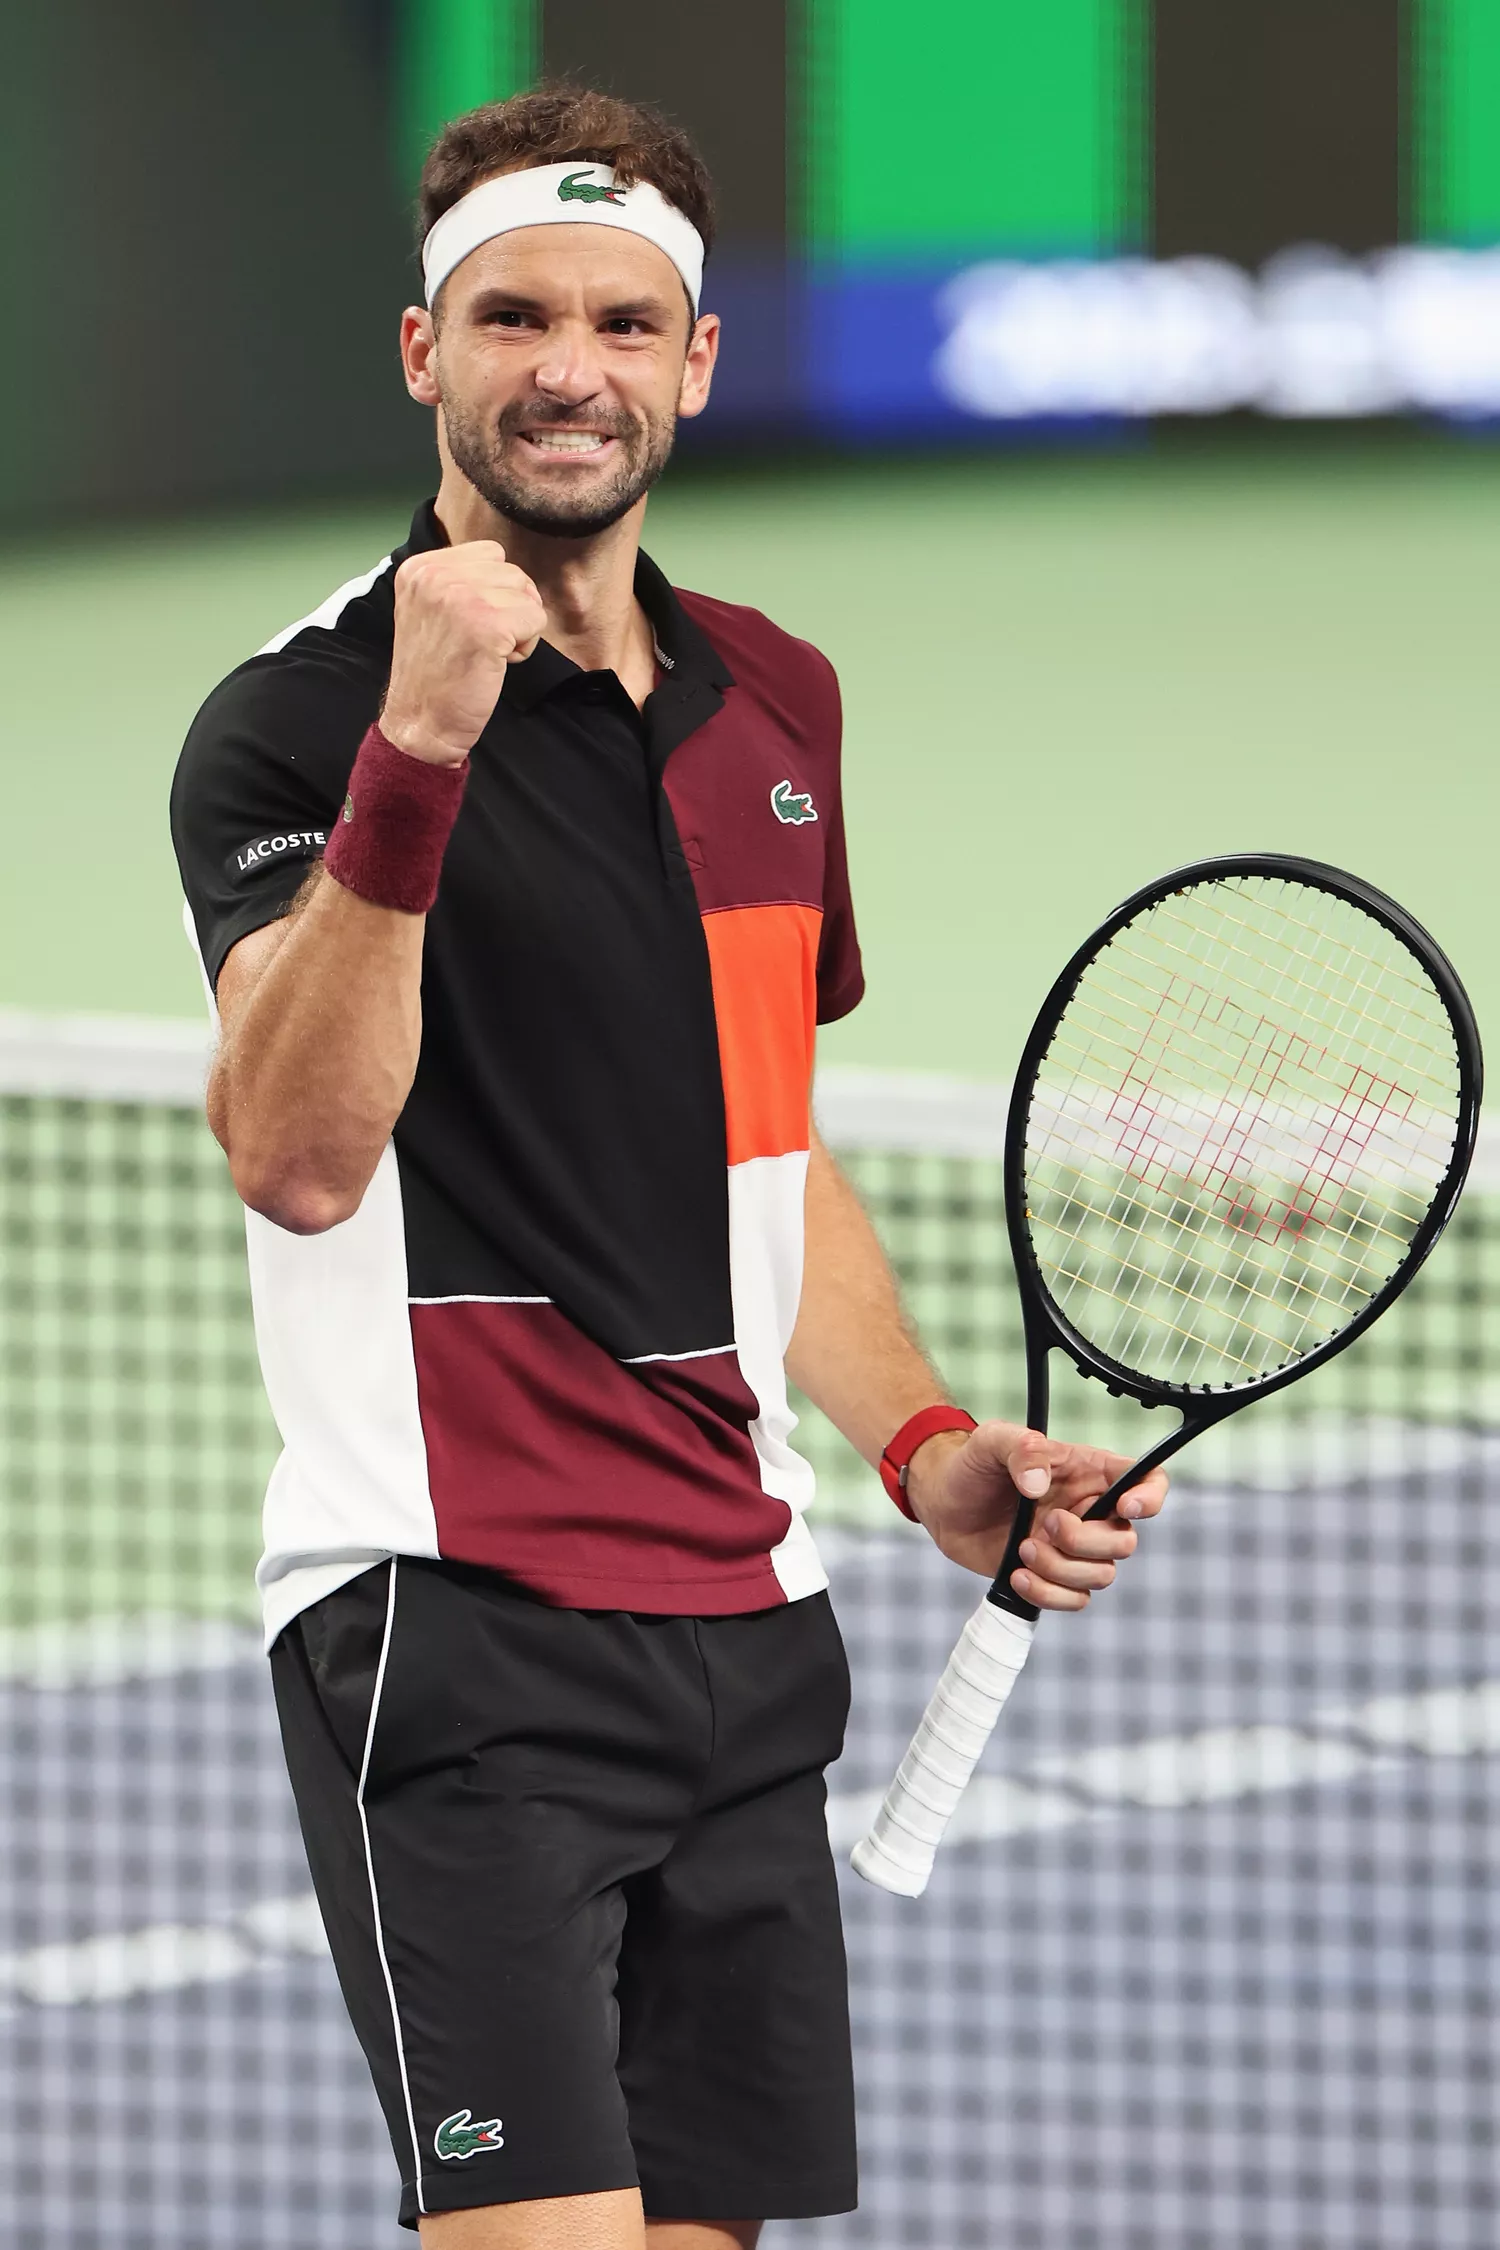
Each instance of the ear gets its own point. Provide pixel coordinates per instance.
(698, 371)
(419, 356)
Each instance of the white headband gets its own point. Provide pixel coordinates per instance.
(552, 195)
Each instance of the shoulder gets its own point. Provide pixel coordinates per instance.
(764, 658)
(278, 721)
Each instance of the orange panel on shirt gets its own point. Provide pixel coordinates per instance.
(764, 961)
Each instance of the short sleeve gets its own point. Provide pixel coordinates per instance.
(841, 976)
(261, 779)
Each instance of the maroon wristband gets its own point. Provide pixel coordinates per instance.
(896, 1459)
(398, 816)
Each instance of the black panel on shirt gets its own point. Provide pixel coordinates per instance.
(564, 1136)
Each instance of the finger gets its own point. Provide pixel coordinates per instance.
(1078, 1573)
(1143, 1499)
(1028, 1463)
(1102, 1541)
(1044, 1595)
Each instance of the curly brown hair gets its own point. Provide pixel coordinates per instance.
(561, 125)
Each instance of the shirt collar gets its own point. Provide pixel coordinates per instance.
(685, 652)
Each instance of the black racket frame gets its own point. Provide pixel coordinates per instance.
(1048, 1328)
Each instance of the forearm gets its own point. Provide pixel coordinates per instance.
(853, 1350)
(322, 1023)
(322, 1014)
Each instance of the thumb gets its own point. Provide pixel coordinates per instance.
(1028, 1466)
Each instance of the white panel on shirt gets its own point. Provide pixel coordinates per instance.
(767, 1198)
(335, 1343)
(328, 613)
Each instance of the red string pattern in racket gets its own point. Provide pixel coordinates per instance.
(1242, 1118)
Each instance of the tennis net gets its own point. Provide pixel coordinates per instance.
(1207, 1967)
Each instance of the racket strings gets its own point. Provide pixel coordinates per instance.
(1245, 1123)
(1190, 1281)
(1394, 987)
(1272, 1055)
(1334, 1164)
(1146, 988)
(1413, 988)
(1405, 1205)
(1148, 1235)
(1195, 1288)
(1349, 1005)
(1243, 1118)
(1402, 1063)
(1189, 1335)
(1397, 1062)
(1396, 1188)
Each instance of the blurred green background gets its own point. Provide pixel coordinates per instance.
(1062, 674)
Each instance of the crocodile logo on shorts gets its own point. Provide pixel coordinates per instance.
(459, 2136)
(576, 189)
(791, 808)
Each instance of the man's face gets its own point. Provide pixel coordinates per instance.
(564, 355)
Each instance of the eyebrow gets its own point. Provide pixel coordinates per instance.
(496, 299)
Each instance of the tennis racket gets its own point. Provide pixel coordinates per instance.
(1242, 1119)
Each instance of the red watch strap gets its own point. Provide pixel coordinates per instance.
(896, 1459)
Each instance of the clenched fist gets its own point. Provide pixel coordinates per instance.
(462, 614)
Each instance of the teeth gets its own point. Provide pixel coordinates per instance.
(566, 441)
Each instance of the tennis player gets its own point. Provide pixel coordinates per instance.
(519, 878)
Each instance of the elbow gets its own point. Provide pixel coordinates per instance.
(293, 1201)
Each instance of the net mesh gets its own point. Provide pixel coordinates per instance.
(1207, 1967)
(1239, 1126)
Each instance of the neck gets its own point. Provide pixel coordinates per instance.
(587, 585)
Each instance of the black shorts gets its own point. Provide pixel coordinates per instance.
(575, 1871)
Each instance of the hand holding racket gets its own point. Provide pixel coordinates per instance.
(1242, 1119)
(963, 1489)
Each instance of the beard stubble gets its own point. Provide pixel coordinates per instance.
(479, 451)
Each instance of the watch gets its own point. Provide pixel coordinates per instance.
(896, 1459)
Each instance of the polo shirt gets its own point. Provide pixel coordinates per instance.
(551, 1339)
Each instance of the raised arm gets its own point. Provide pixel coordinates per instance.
(855, 1355)
(321, 1012)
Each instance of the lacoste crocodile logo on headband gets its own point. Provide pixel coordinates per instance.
(789, 807)
(457, 2136)
(550, 195)
(576, 189)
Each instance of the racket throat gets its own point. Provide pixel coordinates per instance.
(1193, 1424)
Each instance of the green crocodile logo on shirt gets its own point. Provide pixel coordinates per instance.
(576, 189)
(459, 2136)
(791, 808)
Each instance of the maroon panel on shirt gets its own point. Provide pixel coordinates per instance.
(596, 1485)
(777, 739)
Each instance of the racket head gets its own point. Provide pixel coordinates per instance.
(1254, 1091)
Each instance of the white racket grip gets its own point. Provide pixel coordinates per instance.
(904, 1837)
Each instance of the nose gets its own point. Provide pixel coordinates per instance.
(568, 366)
